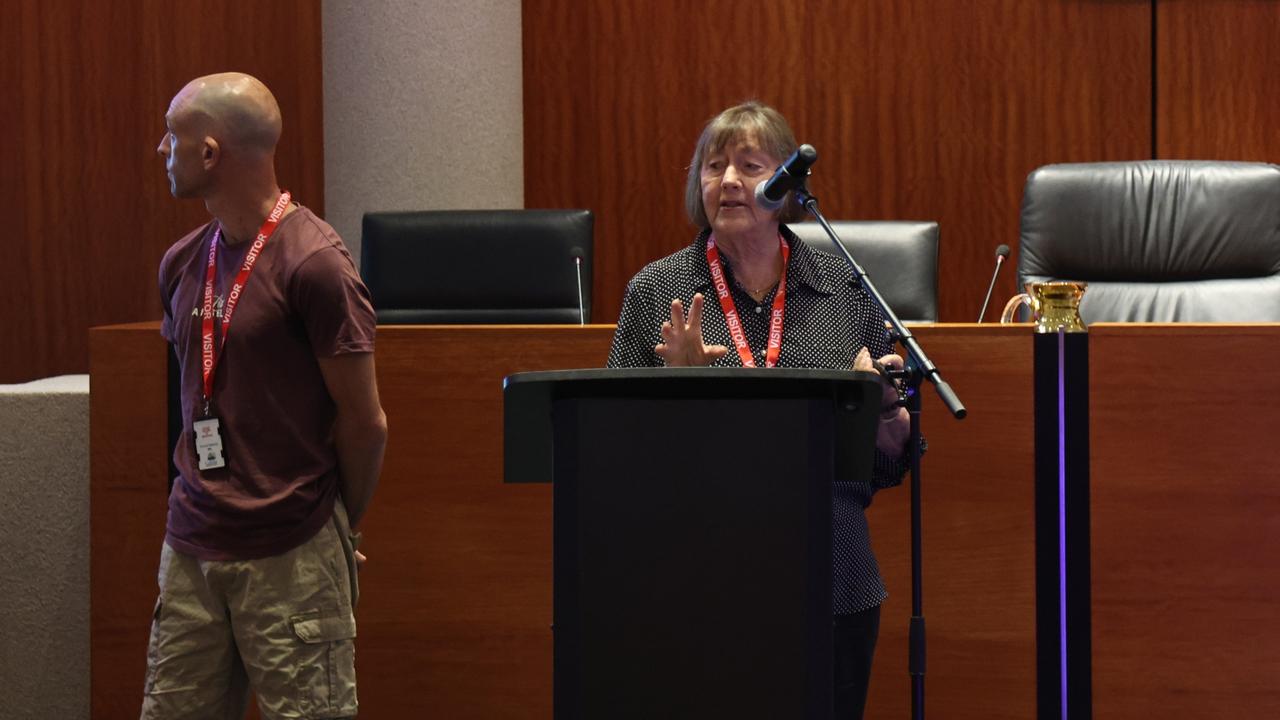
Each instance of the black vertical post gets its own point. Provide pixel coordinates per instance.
(916, 650)
(1063, 675)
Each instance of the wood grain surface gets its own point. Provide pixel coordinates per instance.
(1185, 514)
(1215, 79)
(456, 599)
(456, 603)
(920, 110)
(128, 501)
(84, 196)
(978, 526)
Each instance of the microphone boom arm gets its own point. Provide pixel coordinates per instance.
(915, 354)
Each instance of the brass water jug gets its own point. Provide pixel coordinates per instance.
(1054, 305)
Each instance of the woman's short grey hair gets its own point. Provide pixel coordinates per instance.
(751, 119)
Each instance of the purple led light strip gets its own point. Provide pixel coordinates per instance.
(1062, 515)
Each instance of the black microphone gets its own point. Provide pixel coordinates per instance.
(790, 175)
(577, 254)
(1002, 252)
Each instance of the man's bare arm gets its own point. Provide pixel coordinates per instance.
(360, 432)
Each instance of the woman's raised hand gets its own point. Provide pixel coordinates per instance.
(682, 344)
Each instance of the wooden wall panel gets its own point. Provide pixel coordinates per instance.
(1185, 521)
(919, 109)
(1216, 79)
(84, 196)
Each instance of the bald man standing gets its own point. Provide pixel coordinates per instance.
(283, 432)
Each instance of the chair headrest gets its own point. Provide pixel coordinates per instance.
(486, 266)
(900, 258)
(1151, 221)
(1158, 240)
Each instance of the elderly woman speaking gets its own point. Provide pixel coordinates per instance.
(776, 303)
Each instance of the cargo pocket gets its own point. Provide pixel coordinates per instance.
(329, 679)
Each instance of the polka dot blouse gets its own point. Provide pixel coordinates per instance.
(828, 318)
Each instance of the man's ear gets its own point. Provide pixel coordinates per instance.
(210, 153)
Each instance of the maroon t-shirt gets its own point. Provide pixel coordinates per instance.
(304, 300)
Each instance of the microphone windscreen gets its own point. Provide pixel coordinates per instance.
(764, 203)
(1002, 251)
(576, 252)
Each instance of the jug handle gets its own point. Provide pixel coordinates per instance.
(1011, 307)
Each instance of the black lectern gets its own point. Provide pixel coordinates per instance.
(692, 532)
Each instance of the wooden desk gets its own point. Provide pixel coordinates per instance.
(1185, 515)
(456, 599)
(128, 462)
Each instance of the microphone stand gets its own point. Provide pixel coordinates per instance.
(918, 369)
(999, 262)
(582, 313)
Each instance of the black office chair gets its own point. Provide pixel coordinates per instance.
(1157, 240)
(900, 257)
(478, 266)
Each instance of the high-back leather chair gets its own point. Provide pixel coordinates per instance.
(1157, 240)
(900, 257)
(478, 266)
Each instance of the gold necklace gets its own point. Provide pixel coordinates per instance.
(762, 291)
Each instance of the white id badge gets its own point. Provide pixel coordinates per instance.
(208, 444)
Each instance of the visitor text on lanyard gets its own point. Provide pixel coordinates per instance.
(731, 310)
(208, 345)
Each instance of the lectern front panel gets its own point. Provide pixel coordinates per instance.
(693, 558)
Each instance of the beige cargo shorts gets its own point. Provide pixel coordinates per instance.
(281, 626)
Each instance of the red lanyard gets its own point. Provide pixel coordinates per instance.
(208, 350)
(731, 311)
